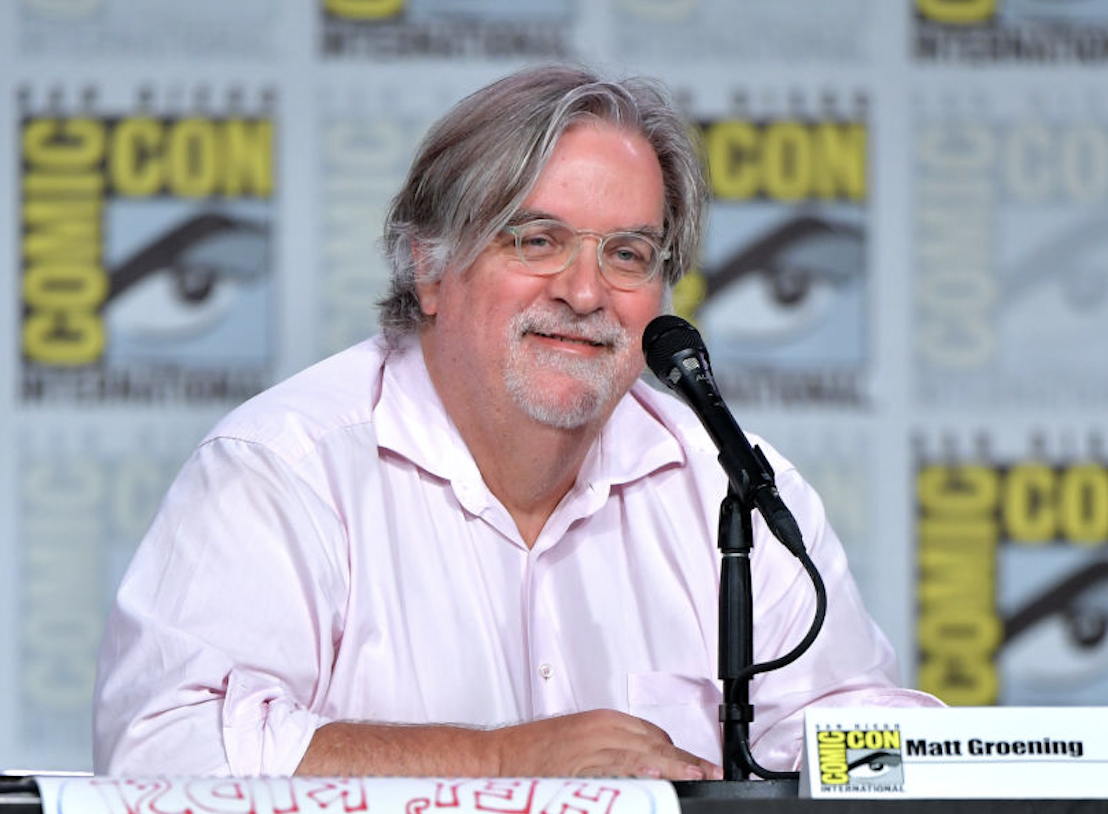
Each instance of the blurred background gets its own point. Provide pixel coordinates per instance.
(904, 286)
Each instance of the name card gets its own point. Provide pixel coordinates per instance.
(384, 795)
(958, 752)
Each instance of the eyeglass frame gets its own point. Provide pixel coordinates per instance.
(661, 252)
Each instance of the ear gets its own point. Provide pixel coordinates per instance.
(426, 290)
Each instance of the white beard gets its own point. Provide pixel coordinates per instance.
(599, 378)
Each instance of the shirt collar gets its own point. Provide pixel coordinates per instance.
(410, 418)
(634, 443)
(411, 421)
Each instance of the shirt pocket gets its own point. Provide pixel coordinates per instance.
(686, 707)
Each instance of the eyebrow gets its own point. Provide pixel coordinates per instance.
(528, 215)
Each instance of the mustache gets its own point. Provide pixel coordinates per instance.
(599, 329)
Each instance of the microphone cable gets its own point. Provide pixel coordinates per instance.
(788, 658)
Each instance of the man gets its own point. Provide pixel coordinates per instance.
(479, 545)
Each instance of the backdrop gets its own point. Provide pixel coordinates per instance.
(904, 285)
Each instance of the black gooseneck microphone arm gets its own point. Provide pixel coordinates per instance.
(677, 356)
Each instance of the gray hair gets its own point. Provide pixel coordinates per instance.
(479, 162)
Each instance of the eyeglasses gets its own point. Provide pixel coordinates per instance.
(628, 260)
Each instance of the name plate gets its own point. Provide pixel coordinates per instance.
(957, 752)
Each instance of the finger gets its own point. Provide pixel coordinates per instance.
(670, 763)
(677, 764)
(710, 770)
(656, 754)
(673, 769)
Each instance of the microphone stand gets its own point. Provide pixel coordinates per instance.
(736, 626)
(736, 657)
(736, 633)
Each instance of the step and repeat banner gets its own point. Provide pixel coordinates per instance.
(904, 285)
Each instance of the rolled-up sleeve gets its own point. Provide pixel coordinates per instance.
(218, 652)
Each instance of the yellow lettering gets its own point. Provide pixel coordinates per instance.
(1028, 508)
(63, 338)
(132, 167)
(731, 148)
(193, 161)
(61, 286)
(965, 630)
(364, 9)
(64, 282)
(689, 293)
(787, 160)
(872, 739)
(1083, 508)
(958, 490)
(832, 758)
(842, 172)
(44, 185)
(248, 157)
(957, 12)
(67, 229)
(957, 628)
(63, 145)
(192, 157)
(961, 681)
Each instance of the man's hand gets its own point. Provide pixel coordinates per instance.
(601, 743)
(598, 743)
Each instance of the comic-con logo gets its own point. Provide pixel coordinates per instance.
(860, 759)
(786, 272)
(782, 285)
(145, 256)
(1013, 580)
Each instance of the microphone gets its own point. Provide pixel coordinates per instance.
(676, 354)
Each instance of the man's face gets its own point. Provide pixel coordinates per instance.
(562, 348)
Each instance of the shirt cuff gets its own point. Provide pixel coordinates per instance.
(265, 732)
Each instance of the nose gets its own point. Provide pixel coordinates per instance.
(581, 284)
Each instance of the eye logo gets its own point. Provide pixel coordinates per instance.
(188, 277)
(860, 759)
(788, 282)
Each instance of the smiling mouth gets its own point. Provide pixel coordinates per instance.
(589, 343)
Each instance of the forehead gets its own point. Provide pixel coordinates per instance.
(601, 177)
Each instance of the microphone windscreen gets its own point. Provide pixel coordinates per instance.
(663, 337)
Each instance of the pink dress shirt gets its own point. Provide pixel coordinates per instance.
(330, 552)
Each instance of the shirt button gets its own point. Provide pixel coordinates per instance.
(545, 670)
